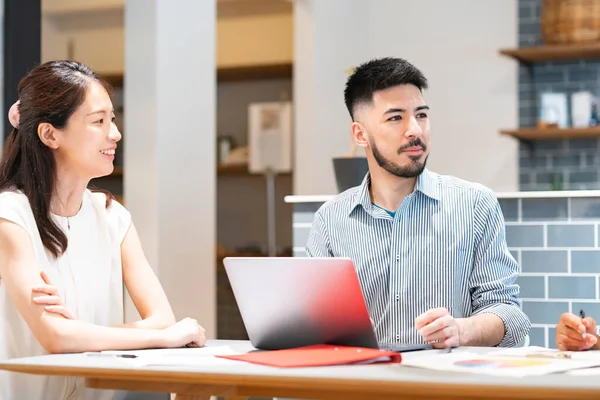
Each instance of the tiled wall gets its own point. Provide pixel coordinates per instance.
(556, 242)
(302, 221)
(574, 163)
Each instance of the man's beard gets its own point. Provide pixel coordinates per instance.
(411, 170)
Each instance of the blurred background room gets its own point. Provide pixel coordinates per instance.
(235, 130)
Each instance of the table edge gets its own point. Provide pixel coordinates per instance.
(375, 387)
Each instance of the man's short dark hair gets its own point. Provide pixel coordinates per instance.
(380, 74)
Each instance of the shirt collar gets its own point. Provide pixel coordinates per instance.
(426, 184)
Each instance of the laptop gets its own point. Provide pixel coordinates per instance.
(288, 302)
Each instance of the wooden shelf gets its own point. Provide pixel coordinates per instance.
(234, 169)
(255, 72)
(553, 133)
(239, 169)
(233, 74)
(563, 52)
(116, 80)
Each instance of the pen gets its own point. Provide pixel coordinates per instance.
(563, 354)
(112, 355)
(582, 315)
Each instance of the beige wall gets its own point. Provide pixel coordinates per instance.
(96, 39)
(257, 39)
(473, 89)
(96, 36)
(57, 7)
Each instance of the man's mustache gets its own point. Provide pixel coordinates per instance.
(416, 142)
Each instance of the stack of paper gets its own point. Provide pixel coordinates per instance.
(517, 362)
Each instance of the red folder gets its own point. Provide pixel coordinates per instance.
(318, 355)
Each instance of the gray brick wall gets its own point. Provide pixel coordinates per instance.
(557, 245)
(566, 164)
(556, 241)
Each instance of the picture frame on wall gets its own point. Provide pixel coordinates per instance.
(270, 137)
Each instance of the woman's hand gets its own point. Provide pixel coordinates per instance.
(49, 297)
(186, 332)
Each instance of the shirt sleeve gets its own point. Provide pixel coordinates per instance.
(493, 279)
(317, 244)
(14, 207)
(120, 220)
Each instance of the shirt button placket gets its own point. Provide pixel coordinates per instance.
(397, 295)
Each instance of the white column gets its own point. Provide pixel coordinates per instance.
(329, 38)
(169, 138)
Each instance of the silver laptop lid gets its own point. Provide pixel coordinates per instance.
(290, 302)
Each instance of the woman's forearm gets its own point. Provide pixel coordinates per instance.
(152, 322)
(73, 336)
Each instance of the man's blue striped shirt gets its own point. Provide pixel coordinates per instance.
(444, 247)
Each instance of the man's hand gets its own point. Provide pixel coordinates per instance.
(574, 333)
(439, 328)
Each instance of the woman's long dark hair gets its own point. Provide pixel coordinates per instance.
(49, 93)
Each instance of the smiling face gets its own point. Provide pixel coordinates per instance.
(394, 130)
(87, 144)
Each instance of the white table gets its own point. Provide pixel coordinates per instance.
(240, 380)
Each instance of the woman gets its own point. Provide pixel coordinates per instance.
(65, 252)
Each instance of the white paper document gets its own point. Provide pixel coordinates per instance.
(531, 352)
(511, 362)
(543, 352)
(184, 357)
(187, 351)
(585, 372)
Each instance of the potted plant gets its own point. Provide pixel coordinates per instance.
(349, 169)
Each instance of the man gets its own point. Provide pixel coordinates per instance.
(429, 250)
